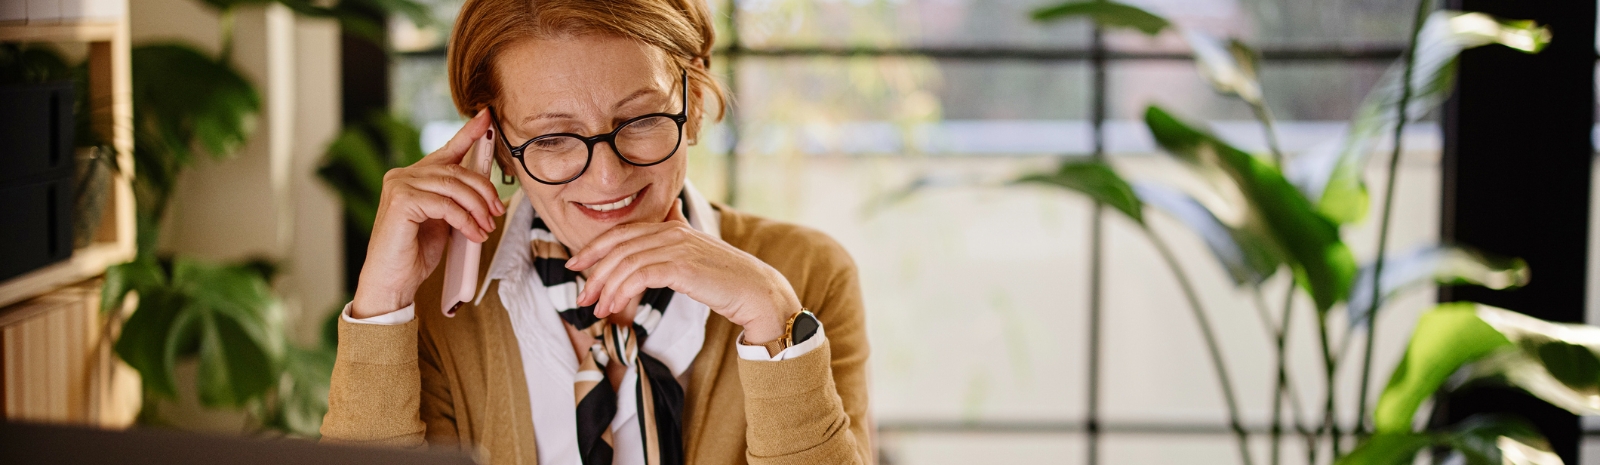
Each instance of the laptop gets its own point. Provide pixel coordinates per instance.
(24, 443)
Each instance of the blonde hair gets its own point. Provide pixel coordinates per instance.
(682, 29)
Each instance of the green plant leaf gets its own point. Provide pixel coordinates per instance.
(185, 98)
(144, 272)
(1445, 338)
(1107, 14)
(1096, 180)
(1229, 66)
(1333, 175)
(143, 342)
(1309, 242)
(303, 401)
(1440, 264)
(1245, 253)
(1555, 362)
(1481, 439)
(355, 163)
(239, 350)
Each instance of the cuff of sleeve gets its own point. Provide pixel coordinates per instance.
(759, 353)
(787, 378)
(362, 341)
(397, 317)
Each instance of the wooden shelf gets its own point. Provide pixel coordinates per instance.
(110, 86)
(97, 31)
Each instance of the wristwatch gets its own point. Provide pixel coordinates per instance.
(801, 326)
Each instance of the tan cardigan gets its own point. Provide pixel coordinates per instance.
(459, 381)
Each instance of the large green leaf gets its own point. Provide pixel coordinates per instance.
(1107, 14)
(1481, 440)
(1321, 262)
(224, 314)
(1555, 362)
(1440, 264)
(144, 272)
(144, 342)
(239, 350)
(187, 99)
(1247, 255)
(1333, 175)
(1096, 180)
(1445, 338)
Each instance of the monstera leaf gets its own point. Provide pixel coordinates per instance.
(1331, 175)
(225, 315)
(185, 99)
(1309, 242)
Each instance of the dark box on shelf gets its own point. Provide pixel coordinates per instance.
(36, 176)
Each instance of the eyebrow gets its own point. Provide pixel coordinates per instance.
(625, 100)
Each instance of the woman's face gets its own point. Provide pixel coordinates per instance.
(589, 85)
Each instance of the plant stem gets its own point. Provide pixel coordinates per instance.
(1385, 215)
(1265, 116)
(1212, 346)
(1280, 385)
(225, 22)
(1330, 422)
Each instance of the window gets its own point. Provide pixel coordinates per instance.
(979, 296)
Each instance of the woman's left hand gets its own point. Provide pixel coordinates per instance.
(628, 259)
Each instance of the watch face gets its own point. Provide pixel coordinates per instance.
(805, 326)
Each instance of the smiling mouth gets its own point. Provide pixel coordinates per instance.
(615, 205)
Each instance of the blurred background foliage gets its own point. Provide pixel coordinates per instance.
(1293, 220)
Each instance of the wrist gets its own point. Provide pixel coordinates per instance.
(370, 304)
(764, 331)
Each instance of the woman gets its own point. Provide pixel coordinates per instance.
(622, 318)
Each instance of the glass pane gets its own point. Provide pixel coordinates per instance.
(975, 295)
(1349, 24)
(909, 106)
(901, 23)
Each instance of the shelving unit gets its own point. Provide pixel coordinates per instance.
(55, 359)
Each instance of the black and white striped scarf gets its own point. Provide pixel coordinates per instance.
(659, 402)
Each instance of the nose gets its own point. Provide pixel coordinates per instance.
(607, 170)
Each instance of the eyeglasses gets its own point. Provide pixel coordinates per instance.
(560, 158)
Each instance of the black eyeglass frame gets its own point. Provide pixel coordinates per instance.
(609, 138)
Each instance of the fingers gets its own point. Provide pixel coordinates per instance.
(650, 269)
(421, 205)
(602, 246)
(464, 195)
(618, 258)
(458, 146)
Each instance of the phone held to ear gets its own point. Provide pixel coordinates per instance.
(461, 265)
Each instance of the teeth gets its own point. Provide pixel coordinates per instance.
(613, 205)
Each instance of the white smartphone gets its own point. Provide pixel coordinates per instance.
(461, 261)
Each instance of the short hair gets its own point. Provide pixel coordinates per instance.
(682, 29)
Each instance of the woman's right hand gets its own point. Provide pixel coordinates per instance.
(419, 206)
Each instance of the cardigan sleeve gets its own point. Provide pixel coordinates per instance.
(388, 388)
(813, 408)
(375, 395)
